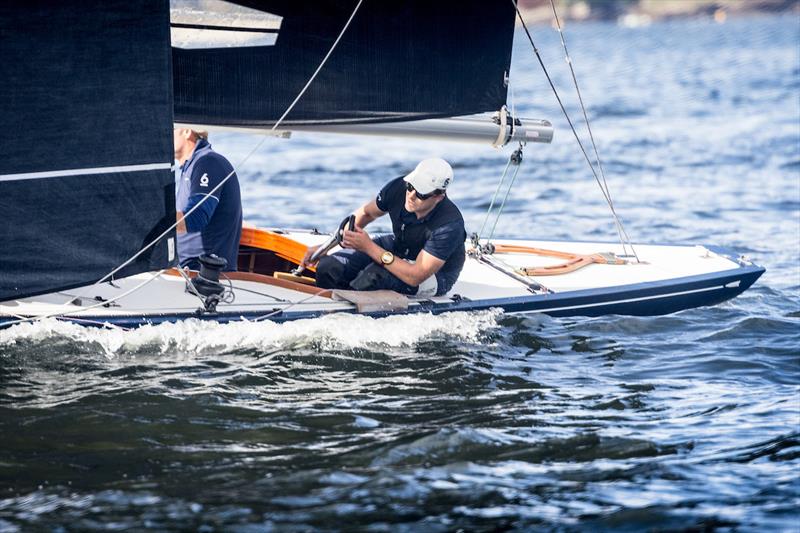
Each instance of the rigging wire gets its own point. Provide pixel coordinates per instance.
(298, 302)
(494, 198)
(571, 125)
(513, 100)
(515, 158)
(219, 185)
(264, 294)
(620, 227)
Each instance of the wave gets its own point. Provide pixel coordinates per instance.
(333, 332)
(757, 327)
(616, 110)
(782, 448)
(480, 445)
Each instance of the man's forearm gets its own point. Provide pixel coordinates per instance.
(411, 274)
(199, 215)
(367, 213)
(181, 226)
(362, 217)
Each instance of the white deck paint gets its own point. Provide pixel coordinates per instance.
(477, 282)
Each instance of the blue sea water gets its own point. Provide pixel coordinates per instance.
(470, 421)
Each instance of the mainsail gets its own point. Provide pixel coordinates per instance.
(408, 60)
(86, 151)
(89, 89)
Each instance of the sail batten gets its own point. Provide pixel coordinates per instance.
(85, 171)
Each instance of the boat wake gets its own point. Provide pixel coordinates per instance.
(329, 333)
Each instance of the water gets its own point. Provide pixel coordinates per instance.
(467, 421)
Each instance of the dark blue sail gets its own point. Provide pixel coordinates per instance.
(89, 88)
(85, 157)
(408, 60)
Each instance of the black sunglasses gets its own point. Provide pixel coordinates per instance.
(410, 188)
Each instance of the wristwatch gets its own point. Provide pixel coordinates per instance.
(387, 258)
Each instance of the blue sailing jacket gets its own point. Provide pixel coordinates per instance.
(216, 226)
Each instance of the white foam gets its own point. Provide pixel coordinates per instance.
(338, 331)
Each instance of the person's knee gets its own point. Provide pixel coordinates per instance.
(428, 288)
(331, 273)
(371, 278)
(375, 277)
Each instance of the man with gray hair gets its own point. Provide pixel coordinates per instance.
(215, 226)
(425, 253)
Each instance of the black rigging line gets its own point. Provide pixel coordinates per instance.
(620, 227)
(569, 120)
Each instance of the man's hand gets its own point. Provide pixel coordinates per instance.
(358, 239)
(307, 258)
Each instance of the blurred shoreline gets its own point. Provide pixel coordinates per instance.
(636, 13)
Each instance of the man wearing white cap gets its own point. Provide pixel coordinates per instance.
(425, 253)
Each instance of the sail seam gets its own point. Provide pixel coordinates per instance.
(85, 171)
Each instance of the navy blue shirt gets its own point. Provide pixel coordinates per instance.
(441, 232)
(216, 226)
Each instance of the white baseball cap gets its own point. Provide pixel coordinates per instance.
(430, 174)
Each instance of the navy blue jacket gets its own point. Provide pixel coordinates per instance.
(216, 226)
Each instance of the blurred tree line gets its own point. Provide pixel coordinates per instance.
(614, 9)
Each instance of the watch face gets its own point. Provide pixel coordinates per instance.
(387, 258)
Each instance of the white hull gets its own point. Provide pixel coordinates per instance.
(667, 279)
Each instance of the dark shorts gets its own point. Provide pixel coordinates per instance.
(337, 271)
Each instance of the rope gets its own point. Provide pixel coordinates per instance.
(494, 198)
(190, 288)
(620, 227)
(508, 191)
(569, 120)
(221, 183)
(14, 315)
(304, 300)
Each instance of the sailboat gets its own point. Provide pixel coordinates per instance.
(91, 91)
